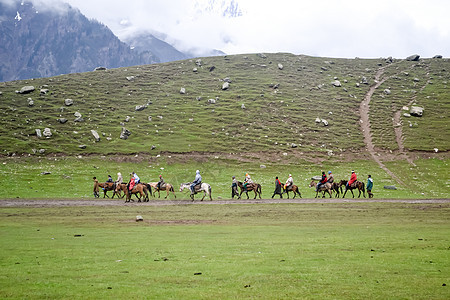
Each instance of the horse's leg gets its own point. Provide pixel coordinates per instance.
(204, 194)
(352, 193)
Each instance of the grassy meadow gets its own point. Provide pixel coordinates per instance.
(71, 177)
(266, 251)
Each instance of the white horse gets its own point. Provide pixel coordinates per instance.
(206, 188)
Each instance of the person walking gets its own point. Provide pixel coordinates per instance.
(278, 187)
(369, 186)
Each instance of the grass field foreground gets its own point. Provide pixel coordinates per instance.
(282, 251)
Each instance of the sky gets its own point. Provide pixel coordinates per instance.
(347, 29)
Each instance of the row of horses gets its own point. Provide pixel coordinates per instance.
(143, 190)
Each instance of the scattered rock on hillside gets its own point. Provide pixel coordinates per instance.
(262, 166)
(337, 83)
(212, 101)
(26, 89)
(150, 118)
(68, 102)
(357, 84)
(195, 70)
(364, 80)
(100, 69)
(38, 133)
(140, 107)
(225, 86)
(280, 66)
(414, 57)
(389, 60)
(47, 132)
(227, 79)
(325, 122)
(416, 111)
(130, 78)
(390, 187)
(262, 55)
(294, 145)
(212, 68)
(77, 114)
(125, 133)
(44, 91)
(243, 106)
(96, 136)
(406, 115)
(387, 91)
(62, 120)
(82, 146)
(30, 102)
(182, 91)
(437, 56)
(127, 119)
(416, 79)
(317, 120)
(198, 62)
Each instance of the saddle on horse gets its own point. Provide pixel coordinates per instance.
(197, 188)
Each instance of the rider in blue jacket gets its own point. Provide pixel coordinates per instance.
(197, 180)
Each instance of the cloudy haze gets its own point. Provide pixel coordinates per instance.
(336, 28)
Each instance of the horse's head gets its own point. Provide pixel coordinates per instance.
(313, 183)
(184, 186)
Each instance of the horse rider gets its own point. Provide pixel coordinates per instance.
(322, 181)
(96, 194)
(248, 180)
(234, 186)
(369, 186)
(197, 181)
(109, 179)
(136, 178)
(330, 177)
(289, 183)
(278, 186)
(132, 182)
(352, 179)
(118, 181)
(160, 182)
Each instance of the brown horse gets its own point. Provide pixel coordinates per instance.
(109, 186)
(355, 185)
(140, 190)
(256, 187)
(166, 187)
(337, 188)
(323, 188)
(292, 188)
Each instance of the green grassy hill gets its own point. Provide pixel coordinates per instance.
(281, 106)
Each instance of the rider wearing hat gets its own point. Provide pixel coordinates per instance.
(197, 180)
(289, 183)
(322, 181)
(352, 179)
(160, 182)
(330, 177)
(248, 180)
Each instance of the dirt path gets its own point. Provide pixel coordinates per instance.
(365, 123)
(42, 203)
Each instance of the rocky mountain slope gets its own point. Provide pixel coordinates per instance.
(254, 103)
(38, 41)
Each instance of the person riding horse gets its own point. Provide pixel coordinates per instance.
(160, 182)
(109, 179)
(352, 179)
(248, 180)
(330, 177)
(197, 181)
(322, 181)
(136, 178)
(289, 183)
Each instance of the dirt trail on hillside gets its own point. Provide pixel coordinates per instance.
(365, 123)
(45, 203)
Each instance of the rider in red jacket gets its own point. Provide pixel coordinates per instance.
(352, 178)
(322, 181)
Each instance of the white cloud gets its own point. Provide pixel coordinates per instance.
(321, 27)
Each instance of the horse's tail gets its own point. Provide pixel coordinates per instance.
(149, 187)
(209, 190)
(171, 189)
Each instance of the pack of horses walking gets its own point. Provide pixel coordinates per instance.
(324, 186)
